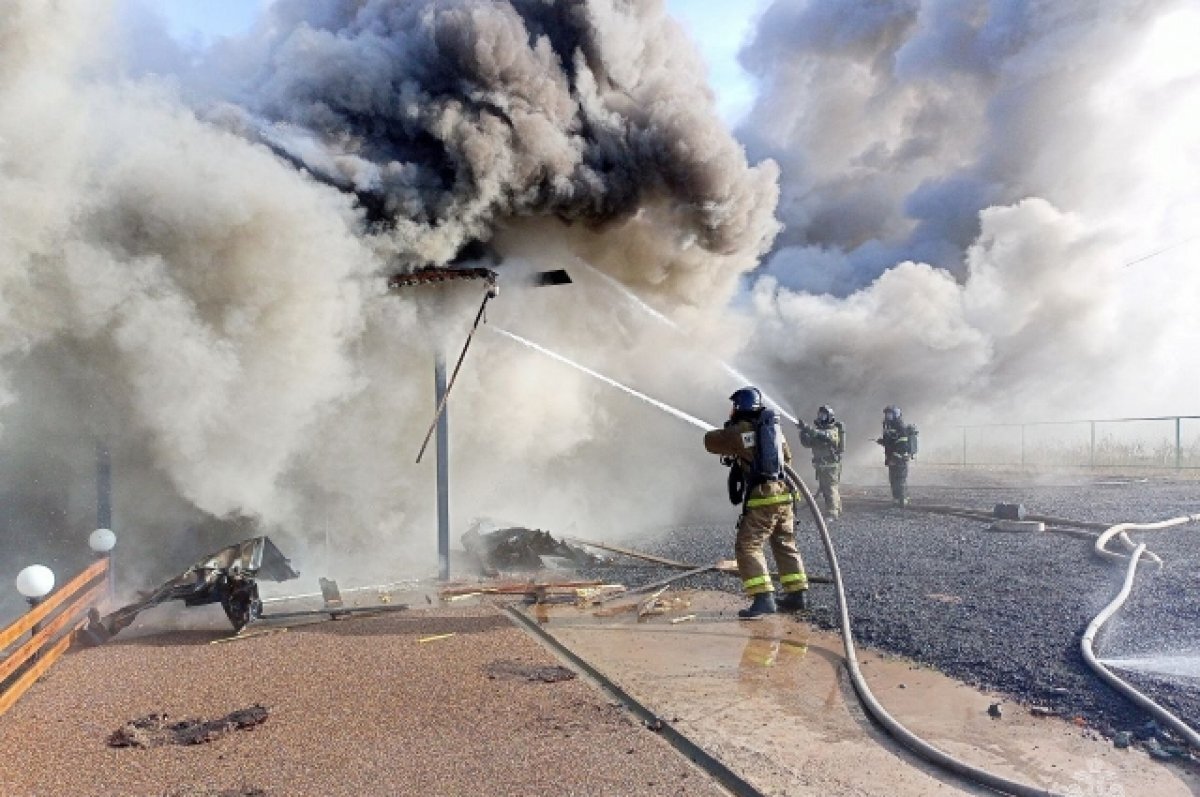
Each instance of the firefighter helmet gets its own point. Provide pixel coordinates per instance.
(825, 415)
(747, 399)
(891, 413)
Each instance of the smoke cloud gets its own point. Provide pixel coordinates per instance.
(962, 185)
(194, 246)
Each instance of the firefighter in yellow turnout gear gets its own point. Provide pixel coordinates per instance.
(752, 445)
(827, 439)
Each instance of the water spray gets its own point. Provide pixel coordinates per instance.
(662, 319)
(694, 421)
(1085, 644)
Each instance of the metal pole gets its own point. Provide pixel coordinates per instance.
(33, 630)
(1022, 445)
(443, 467)
(104, 507)
(1178, 442)
(964, 446)
(1092, 450)
(103, 487)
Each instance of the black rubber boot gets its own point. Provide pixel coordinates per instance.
(764, 604)
(793, 601)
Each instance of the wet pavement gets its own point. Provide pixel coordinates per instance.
(1003, 611)
(772, 701)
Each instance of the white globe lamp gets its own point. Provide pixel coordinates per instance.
(101, 541)
(35, 582)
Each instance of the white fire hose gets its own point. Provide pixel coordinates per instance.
(898, 732)
(1085, 644)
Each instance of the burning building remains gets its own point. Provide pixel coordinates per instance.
(229, 577)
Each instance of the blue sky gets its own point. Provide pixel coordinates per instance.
(718, 26)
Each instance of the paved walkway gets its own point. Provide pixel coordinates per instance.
(357, 707)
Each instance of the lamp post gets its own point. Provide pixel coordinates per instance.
(35, 583)
(102, 541)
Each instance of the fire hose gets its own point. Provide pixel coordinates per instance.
(898, 732)
(1085, 645)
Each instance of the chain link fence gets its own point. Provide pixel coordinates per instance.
(1167, 442)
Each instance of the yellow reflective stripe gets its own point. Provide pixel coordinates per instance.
(792, 578)
(771, 500)
(757, 581)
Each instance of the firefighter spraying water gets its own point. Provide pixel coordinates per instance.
(753, 447)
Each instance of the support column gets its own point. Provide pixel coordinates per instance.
(1178, 443)
(103, 487)
(443, 468)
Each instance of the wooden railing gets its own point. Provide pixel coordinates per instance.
(53, 623)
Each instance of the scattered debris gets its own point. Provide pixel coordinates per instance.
(518, 548)
(654, 605)
(658, 560)
(659, 585)
(434, 638)
(599, 594)
(243, 634)
(536, 592)
(1156, 750)
(552, 673)
(156, 730)
(1009, 511)
(1041, 711)
(994, 711)
(1122, 739)
(1147, 731)
(1017, 525)
(687, 618)
(613, 611)
(228, 577)
(651, 605)
(330, 594)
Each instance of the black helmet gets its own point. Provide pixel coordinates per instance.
(825, 415)
(748, 399)
(891, 413)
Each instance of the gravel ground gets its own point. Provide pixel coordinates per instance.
(1004, 611)
(356, 707)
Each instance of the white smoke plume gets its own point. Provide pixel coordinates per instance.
(962, 186)
(194, 246)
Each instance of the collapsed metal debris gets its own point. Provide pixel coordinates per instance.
(228, 576)
(157, 730)
(518, 548)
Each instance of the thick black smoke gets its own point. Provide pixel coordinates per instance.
(193, 246)
(451, 118)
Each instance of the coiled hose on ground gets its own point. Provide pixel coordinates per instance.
(872, 705)
(1085, 645)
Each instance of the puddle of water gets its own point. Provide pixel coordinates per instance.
(771, 699)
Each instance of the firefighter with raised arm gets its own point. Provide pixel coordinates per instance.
(827, 439)
(752, 446)
(899, 441)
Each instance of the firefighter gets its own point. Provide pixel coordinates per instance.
(751, 444)
(827, 439)
(899, 443)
